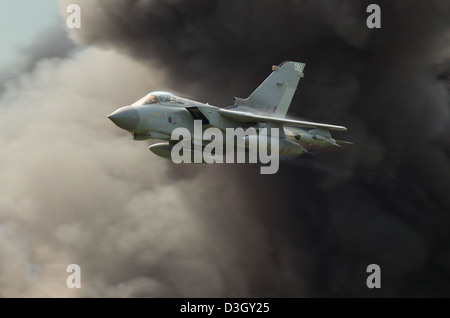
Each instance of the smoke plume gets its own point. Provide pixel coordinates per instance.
(78, 190)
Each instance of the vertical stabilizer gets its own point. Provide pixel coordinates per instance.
(274, 95)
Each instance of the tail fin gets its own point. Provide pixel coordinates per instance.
(274, 95)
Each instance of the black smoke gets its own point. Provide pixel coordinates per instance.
(383, 201)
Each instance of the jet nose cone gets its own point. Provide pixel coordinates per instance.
(126, 118)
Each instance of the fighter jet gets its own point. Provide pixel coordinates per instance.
(158, 114)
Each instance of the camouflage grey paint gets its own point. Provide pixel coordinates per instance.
(156, 115)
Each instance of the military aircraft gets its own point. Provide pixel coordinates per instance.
(156, 115)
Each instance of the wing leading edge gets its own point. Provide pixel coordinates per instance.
(250, 118)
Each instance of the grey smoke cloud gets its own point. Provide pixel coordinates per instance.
(76, 190)
(378, 202)
(67, 198)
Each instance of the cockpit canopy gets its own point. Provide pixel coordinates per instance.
(161, 98)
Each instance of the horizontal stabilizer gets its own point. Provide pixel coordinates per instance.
(343, 142)
(253, 118)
